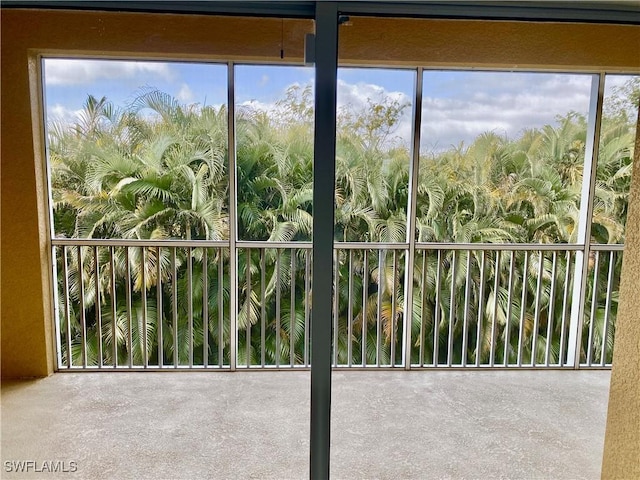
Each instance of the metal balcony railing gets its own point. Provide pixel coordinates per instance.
(181, 304)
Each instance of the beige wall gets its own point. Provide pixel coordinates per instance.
(622, 438)
(26, 319)
(500, 44)
(27, 345)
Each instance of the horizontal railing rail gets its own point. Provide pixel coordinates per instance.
(500, 246)
(603, 247)
(59, 241)
(114, 242)
(165, 304)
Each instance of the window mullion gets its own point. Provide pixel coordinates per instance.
(584, 222)
(414, 170)
(233, 231)
(324, 172)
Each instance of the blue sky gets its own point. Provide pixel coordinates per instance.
(457, 105)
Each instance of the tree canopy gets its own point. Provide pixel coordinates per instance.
(158, 169)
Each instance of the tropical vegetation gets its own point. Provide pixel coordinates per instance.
(158, 170)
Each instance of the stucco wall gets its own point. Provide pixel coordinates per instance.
(27, 342)
(26, 319)
(622, 438)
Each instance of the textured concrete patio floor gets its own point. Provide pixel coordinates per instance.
(477, 424)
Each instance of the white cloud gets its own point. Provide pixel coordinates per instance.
(457, 106)
(257, 105)
(62, 114)
(83, 72)
(185, 95)
(614, 81)
(502, 103)
(357, 96)
(464, 108)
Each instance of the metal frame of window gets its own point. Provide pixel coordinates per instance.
(324, 167)
(595, 11)
(586, 218)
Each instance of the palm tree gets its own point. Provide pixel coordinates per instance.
(158, 170)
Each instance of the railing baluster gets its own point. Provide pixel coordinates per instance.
(423, 303)
(336, 300)
(221, 309)
(523, 307)
(465, 319)
(365, 306)
(292, 309)
(507, 329)
(536, 316)
(494, 320)
(379, 308)
(278, 307)
(607, 310)
(594, 305)
(174, 305)
(143, 292)
(248, 309)
(552, 299)
(96, 302)
(114, 313)
(159, 315)
(263, 307)
(83, 318)
(479, 335)
(67, 305)
(127, 270)
(58, 317)
(205, 308)
(437, 312)
(190, 303)
(452, 308)
(350, 311)
(392, 334)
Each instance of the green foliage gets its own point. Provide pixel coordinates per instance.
(159, 170)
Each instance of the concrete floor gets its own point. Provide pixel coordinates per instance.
(387, 425)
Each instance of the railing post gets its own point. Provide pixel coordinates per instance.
(233, 254)
(414, 170)
(584, 224)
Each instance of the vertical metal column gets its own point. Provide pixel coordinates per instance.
(414, 170)
(584, 222)
(323, 218)
(233, 254)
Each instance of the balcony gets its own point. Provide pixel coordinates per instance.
(494, 413)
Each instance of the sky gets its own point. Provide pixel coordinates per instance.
(457, 105)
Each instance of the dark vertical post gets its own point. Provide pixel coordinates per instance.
(323, 217)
